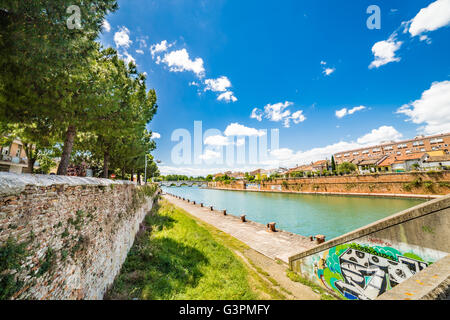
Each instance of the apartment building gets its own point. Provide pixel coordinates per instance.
(13, 157)
(419, 144)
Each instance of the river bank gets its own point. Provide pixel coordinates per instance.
(178, 256)
(344, 194)
(413, 185)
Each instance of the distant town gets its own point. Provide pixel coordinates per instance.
(423, 153)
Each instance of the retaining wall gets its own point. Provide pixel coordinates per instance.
(370, 261)
(65, 237)
(397, 184)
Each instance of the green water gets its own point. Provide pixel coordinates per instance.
(306, 215)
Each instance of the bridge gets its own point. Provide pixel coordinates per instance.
(183, 183)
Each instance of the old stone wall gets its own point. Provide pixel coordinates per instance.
(66, 237)
(372, 260)
(437, 183)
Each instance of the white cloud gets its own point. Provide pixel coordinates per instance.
(122, 38)
(227, 96)
(156, 135)
(217, 140)
(384, 52)
(106, 26)
(431, 18)
(432, 109)
(139, 51)
(221, 85)
(127, 57)
(163, 46)
(210, 155)
(179, 61)
(343, 112)
(290, 158)
(257, 114)
(298, 117)
(278, 112)
(218, 85)
(329, 71)
(382, 134)
(236, 129)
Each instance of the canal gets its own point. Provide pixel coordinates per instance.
(302, 214)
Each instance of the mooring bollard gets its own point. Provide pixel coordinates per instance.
(193, 202)
(212, 208)
(201, 205)
(311, 238)
(271, 227)
(320, 238)
(224, 212)
(243, 218)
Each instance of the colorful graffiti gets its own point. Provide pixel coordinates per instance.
(360, 272)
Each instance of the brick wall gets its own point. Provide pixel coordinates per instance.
(392, 183)
(76, 233)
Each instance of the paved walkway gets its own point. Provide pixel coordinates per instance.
(275, 245)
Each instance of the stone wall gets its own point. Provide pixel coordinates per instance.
(372, 260)
(437, 183)
(66, 237)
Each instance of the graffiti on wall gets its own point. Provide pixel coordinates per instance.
(360, 272)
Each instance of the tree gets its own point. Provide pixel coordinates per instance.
(44, 64)
(347, 167)
(333, 164)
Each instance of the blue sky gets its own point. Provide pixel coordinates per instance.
(294, 65)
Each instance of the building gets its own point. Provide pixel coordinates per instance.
(419, 144)
(320, 165)
(370, 165)
(13, 158)
(436, 162)
(408, 162)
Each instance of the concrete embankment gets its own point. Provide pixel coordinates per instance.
(368, 262)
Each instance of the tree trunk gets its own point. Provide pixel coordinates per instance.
(139, 177)
(132, 175)
(31, 160)
(123, 173)
(106, 165)
(67, 150)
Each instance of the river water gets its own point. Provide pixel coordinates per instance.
(302, 214)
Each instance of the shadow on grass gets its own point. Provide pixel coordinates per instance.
(157, 268)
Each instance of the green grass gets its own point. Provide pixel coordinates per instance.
(179, 258)
(324, 295)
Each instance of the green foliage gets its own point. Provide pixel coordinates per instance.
(12, 255)
(47, 263)
(60, 88)
(346, 167)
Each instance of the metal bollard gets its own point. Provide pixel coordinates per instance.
(271, 227)
(320, 238)
(224, 212)
(243, 218)
(212, 208)
(201, 205)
